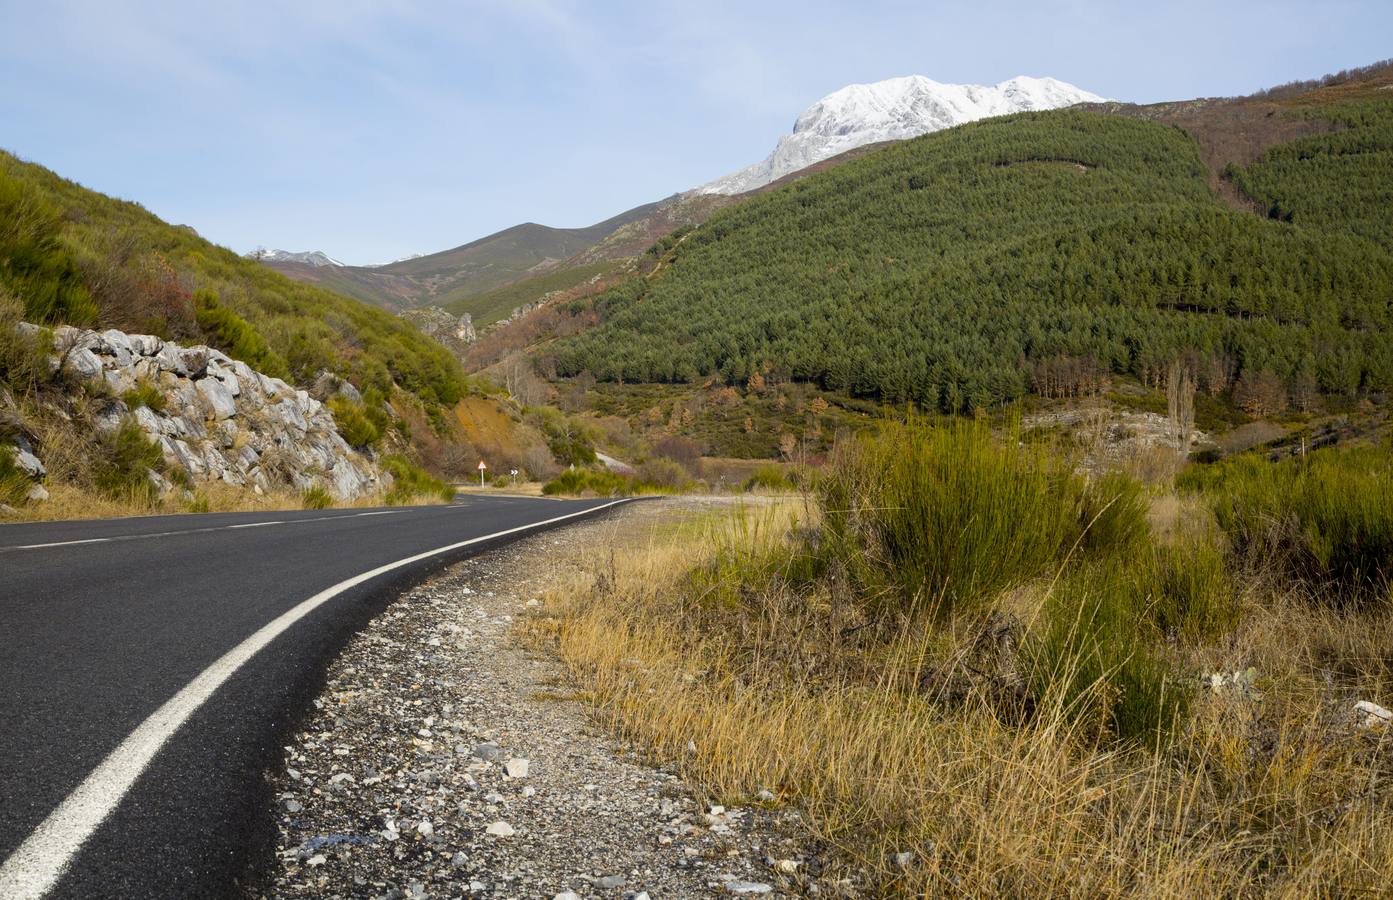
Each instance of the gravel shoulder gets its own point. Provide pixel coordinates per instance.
(445, 759)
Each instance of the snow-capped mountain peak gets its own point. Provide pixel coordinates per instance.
(894, 109)
(308, 257)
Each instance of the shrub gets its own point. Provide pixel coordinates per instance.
(681, 450)
(145, 393)
(34, 262)
(597, 482)
(235, 336)
(14, 484)
(410, 481)
(1191, 591)
(1095, 657)
(23, 358)
(316, 497)
(354, 422)
(769, 478)
(946, 517)
(1324, 521)
(664, 474)
(124, 463)
(1113, 516)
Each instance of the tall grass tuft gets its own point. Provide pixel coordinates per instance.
(1096, 660)
(771, 477)
(145, 393)
(948, 517)
(316, 497)
(127, 457)
(411, 483)
(1324, 521)
(14, 484)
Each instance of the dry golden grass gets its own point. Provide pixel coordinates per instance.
(847, 719)
(68, 502)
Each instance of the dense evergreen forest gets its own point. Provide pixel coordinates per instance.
(1035, 252)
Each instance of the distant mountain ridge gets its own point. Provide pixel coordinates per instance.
(307, 257)
(437, 279)
(890, 110)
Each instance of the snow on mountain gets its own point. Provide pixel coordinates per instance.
(309, 257)
(405, 258)
(894, 109)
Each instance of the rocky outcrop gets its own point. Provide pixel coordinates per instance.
(214, 418)
(436, 322)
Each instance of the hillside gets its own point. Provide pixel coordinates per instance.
(1031, 252)
(440, 279)
(72, 255)
(623, 249)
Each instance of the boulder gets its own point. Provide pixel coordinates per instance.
(83, 363)
(145, 344)
(219, 415)
(224, 373)
(117, 344)
(178, 453)
(109, 416)
(218, 399)
(150, 422)
(119, 380)
(28, 463)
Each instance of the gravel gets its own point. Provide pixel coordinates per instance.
(443, 760)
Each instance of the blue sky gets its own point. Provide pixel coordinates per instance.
(376, 129)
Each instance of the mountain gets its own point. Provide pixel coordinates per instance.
(1042, 252)
(890, 110)
(308, 257)
(438, 279)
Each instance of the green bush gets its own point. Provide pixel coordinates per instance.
(34, 262)
(316, 497)
(14, 484)
(664, 474)
(145, 393)
(410, 481)
(235, 336)
(947, 517)
(354, 422)
(769, 478)
(1096, 655)
(599, 482)
(1113, 516)
(1324, 521)
(23, 358)
(124, 463)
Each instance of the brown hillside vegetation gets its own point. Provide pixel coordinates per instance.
(1236, 130)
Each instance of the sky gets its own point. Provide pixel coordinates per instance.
(372, 130)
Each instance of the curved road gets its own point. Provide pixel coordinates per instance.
(149, 668)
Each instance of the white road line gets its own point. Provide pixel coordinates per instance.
(58, 544)
(156, 534)
(35, 867)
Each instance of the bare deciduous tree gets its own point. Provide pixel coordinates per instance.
(1180, 401)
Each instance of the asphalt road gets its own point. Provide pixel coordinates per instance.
(104, 623)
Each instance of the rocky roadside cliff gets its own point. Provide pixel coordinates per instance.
(215, 419)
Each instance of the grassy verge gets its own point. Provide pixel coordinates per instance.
(1105, 713)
